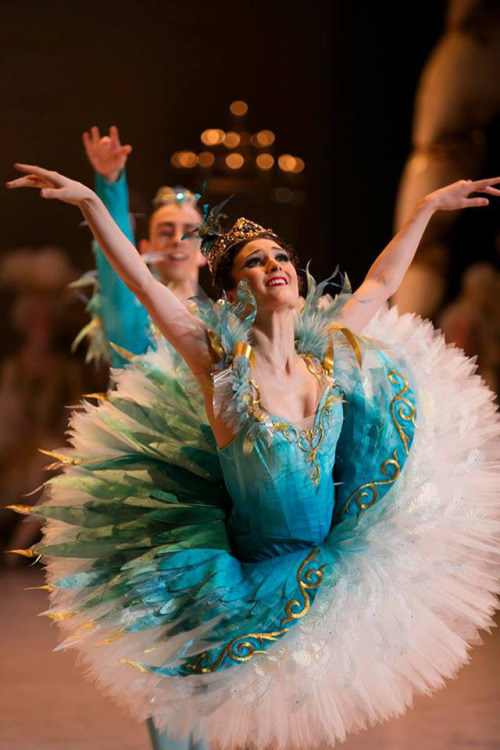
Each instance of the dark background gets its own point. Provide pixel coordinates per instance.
(336, 85)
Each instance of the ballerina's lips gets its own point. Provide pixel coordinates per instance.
(277, 281)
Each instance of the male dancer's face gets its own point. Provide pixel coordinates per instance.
(178, 260)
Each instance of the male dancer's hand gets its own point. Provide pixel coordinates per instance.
(107, 155)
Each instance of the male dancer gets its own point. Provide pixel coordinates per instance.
(177, 262)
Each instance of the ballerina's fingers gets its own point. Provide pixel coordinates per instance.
(490, 190)
(471, 202)
(52, 178)
(30, 180)
(478, 184)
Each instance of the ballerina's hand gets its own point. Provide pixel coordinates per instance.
(106, 154)
(457, 194)
(51, 184)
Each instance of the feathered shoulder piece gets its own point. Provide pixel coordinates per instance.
(229, 329)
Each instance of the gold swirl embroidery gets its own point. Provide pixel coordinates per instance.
(312, 579)
(241, 648)
(309, 440)
(238, 650)
(401, 408)
(254, 407)
(370, 488)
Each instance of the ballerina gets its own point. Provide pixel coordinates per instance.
(200, 557)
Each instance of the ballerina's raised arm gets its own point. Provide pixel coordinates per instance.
(386, 273)
(176, 323)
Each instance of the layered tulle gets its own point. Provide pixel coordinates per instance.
(408, 587)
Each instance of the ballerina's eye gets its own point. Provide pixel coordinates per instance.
(283, 257)
(251, 262)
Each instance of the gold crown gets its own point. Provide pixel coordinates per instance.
(166, 195)
(242, 230)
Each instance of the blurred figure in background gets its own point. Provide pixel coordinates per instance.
(37, 382)
(472, 321)
(457, 100)
(457, 112)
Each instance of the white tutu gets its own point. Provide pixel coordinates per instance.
(418, 578)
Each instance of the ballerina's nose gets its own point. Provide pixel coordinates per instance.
(273, 264)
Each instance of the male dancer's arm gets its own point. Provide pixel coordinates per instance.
(125, 319)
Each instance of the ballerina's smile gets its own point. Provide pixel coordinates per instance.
(277, 281)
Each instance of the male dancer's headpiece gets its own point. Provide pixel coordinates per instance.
(167, 195)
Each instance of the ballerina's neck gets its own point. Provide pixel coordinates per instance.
(273, 341)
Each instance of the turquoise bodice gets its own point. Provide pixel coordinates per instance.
(283, 493)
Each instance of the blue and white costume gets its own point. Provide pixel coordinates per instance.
(306, 580)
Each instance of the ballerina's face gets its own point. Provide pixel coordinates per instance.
(269, 270)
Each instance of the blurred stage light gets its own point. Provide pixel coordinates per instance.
(287, 162)
(212, 136)
(232, 139)
(238, 108)
(206, 159)
(265, 161)
(184, 159)
(234, 161)
(283, 195)
(263, 139)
